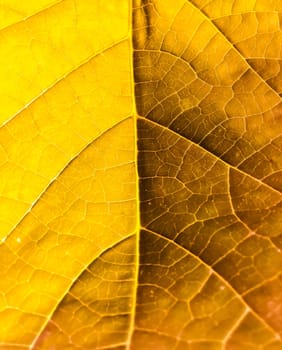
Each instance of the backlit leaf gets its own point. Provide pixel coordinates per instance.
(140, 193)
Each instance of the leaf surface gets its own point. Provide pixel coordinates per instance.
(140, 206)
(209, 165)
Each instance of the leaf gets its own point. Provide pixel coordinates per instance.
(176, 246)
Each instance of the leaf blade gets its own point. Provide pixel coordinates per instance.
(199, 113)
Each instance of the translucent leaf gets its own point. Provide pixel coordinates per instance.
(140, 193)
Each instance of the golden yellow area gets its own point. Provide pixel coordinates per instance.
(42, 50)
(43, 138)
(89, 208)
(68, 172)
(12, 11)
(140, 175)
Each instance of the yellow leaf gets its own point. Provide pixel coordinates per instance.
(140, 192)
